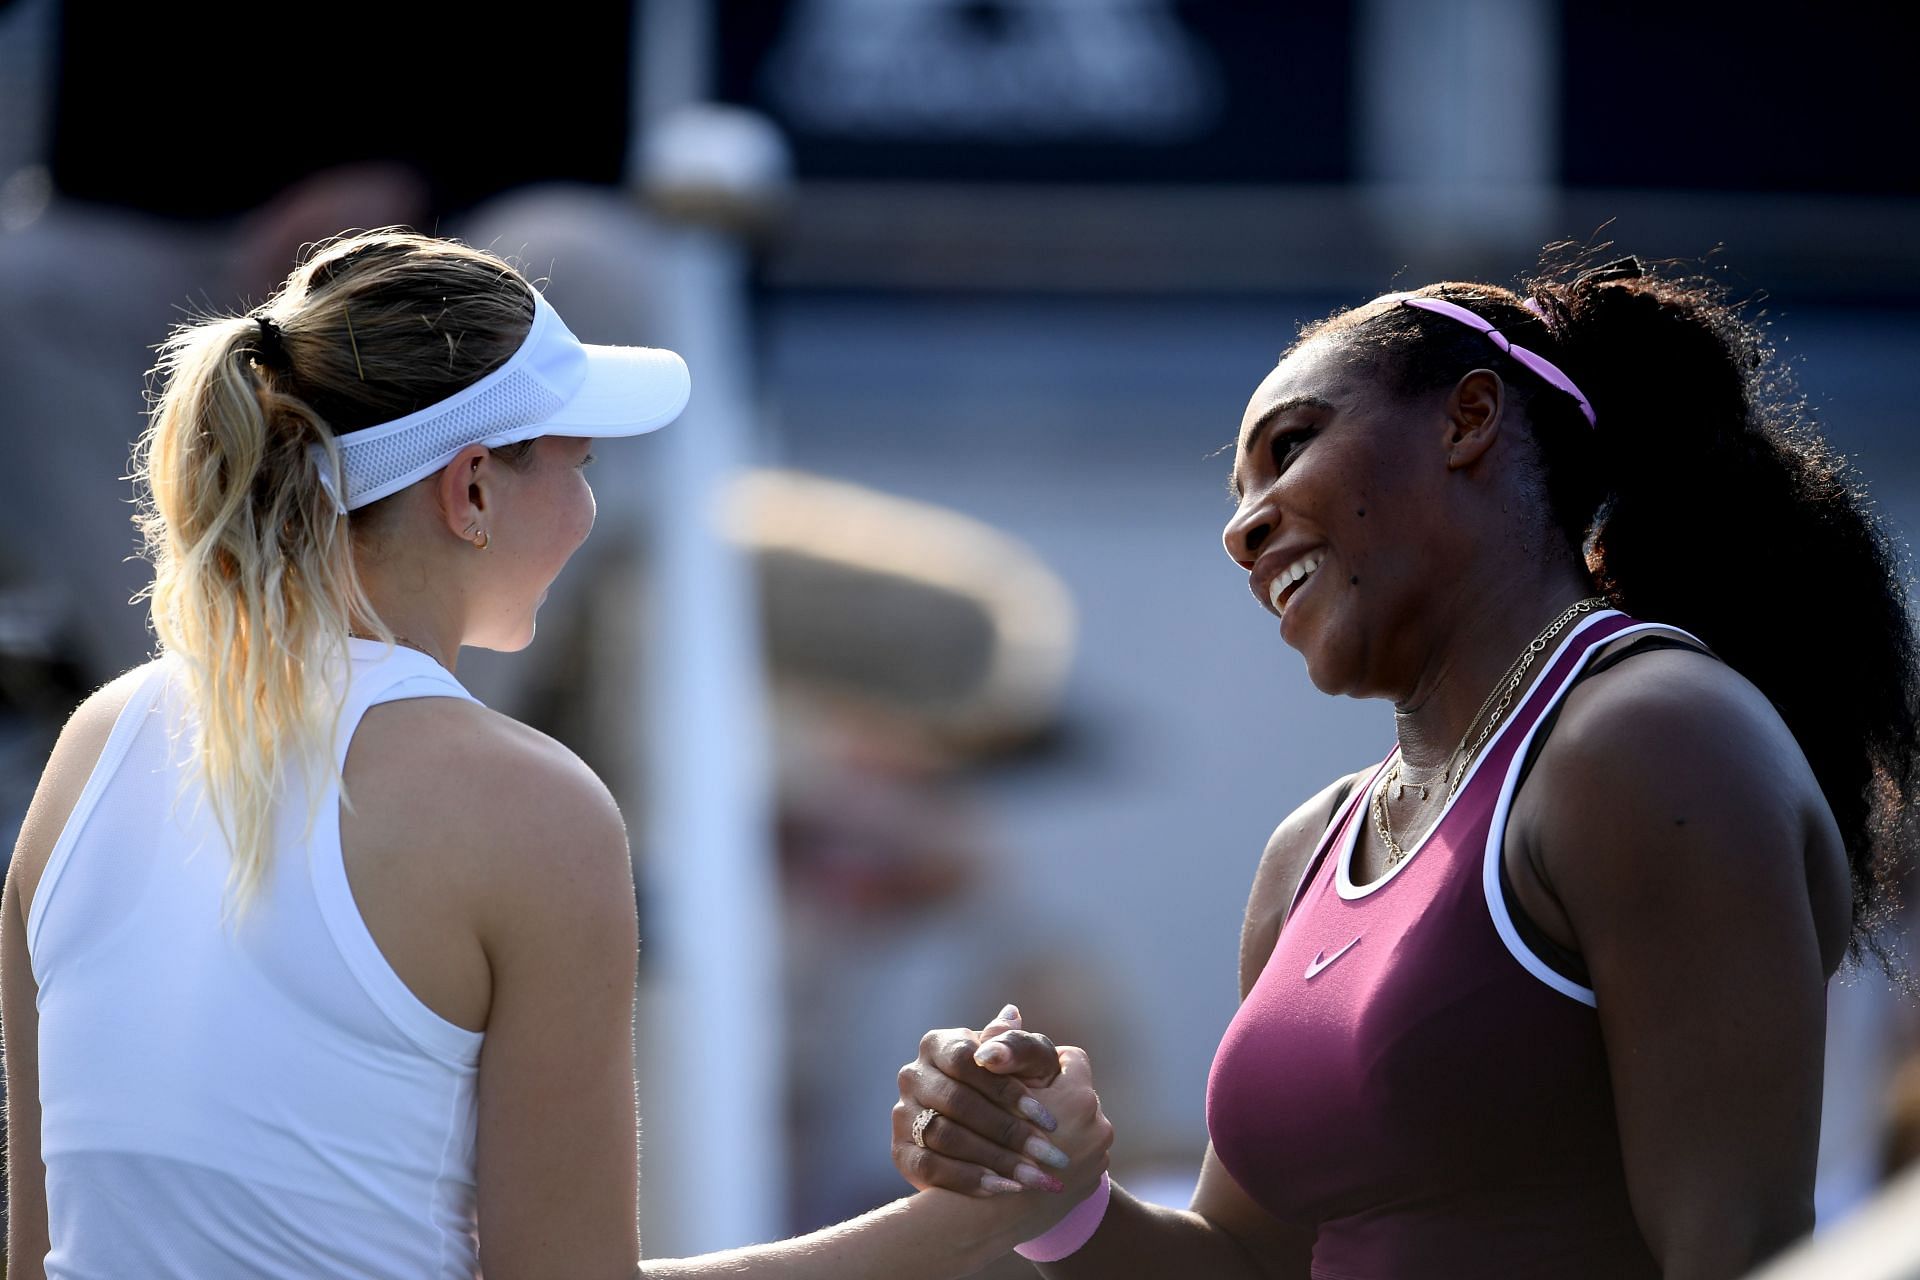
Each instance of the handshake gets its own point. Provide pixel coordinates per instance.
(1000, 1110)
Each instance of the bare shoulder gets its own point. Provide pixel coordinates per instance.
(1289, 849)
(70, 764)
(481, 761)
(525, 819)
(1673, 774)
(1673, 721)
(497, 784)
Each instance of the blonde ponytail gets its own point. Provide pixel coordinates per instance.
(255, 590)
(254, 586)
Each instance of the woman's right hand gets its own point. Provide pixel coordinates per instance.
(1000, 1121)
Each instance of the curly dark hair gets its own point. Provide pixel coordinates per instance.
(1704, 494)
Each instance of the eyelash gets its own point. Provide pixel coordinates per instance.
(1281, 446)
(1287, 443)
(586, 462)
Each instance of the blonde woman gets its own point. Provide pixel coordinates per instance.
(312, 965)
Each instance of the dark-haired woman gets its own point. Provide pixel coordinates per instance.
(1542, 993)
(255, 1030)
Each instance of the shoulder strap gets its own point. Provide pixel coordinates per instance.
(403, 674)
(399, 676)
(1642, 645)
(1645, 644)
(1342, 794)
(1568, 964)
(1340, 801)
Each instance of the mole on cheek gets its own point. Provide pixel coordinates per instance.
(1362, 513)
(1354, 581)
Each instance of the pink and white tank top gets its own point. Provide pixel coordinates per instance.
(1410, 1079)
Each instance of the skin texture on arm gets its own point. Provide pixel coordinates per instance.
(1224, 1233)
(27, 1241)
(1684, 837)
(554, 907)
(934, 1234)
(68, 769)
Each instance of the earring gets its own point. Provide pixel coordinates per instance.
(483, 541)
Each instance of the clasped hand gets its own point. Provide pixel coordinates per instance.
(1012, 1113)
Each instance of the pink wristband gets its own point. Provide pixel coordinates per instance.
(1072, 1231)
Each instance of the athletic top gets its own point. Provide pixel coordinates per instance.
(1409, 1079)
(260, 1095)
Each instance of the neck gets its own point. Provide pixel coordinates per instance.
(444, 657)
(1494, 623)
(418, 617)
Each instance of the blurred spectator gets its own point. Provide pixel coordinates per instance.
(334, 116)
(910, 649)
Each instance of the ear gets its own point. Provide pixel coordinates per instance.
(465, 490)
(1473, 417)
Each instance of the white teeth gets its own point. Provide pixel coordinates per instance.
(1291, 574)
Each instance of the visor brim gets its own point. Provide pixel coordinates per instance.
(628, 391)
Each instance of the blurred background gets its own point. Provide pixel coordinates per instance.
(912, 652)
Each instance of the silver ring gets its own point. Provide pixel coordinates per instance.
(920, 1123)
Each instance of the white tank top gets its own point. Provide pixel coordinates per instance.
(254, 1098)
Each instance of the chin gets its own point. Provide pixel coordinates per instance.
(506, 642)
(1323, 672)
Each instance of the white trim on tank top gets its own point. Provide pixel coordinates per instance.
(1502, 808)
(432, 1034)
(445, 1041)
(1337, 830)
(1343, 876)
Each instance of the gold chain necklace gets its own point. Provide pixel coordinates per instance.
(1504, 688)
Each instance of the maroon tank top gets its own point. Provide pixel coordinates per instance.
(1408, 1080)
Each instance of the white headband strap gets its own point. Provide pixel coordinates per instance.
(551, 385)
(386, 458)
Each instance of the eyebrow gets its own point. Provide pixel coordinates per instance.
(1260, 424)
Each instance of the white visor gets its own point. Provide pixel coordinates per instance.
(554, 385)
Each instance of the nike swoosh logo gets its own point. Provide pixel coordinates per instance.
(1319, 963)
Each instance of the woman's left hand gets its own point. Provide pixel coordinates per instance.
(998, 1111)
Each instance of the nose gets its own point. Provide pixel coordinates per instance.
(1247, 532)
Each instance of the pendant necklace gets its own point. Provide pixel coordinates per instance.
(1463, 755)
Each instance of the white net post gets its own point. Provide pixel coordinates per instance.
(713, 1112)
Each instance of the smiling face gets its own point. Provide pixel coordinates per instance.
(544, 511)
(1334, 475)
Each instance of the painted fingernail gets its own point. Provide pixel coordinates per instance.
(998, 1185)
(1034, 1177)
(1032, 1110)
(992, 1055)
(1046, 1153)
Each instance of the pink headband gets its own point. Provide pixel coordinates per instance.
(1546, 368)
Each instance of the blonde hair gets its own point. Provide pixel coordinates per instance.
(255, 589)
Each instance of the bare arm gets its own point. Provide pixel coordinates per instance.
(1677, 842)
(934, 1234)
(556, 1147)
(556, 1144)
(27, 1242)
(1224, 1234)
(68, 769)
